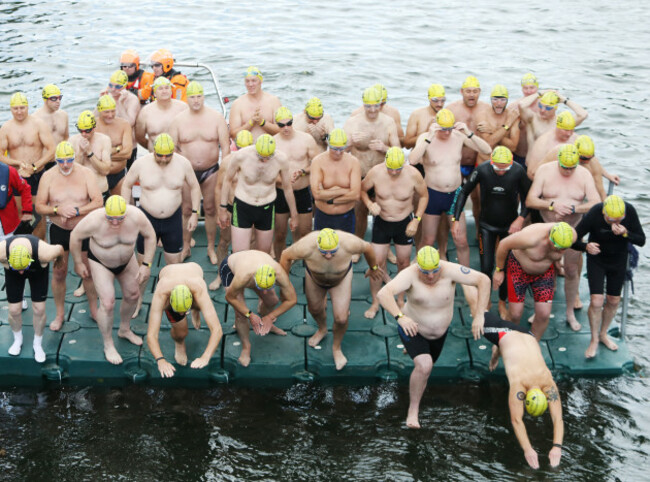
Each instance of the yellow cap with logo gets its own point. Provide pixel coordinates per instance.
(536, 402)
(395, 158)
(501, 155)
(50, 90)
(428, 258)
(436, 91)
(115, 206)
(471, 82)
(561, 235)
(19, 257)
(180, 298)
(64, 150)
(568, 156)
(585, 146)
(614, 206)
(565, 121)
(283, 113)
(338, 138)
(159, 82)
(265, 277)
(18, 99)
(194, 88)
(244, 138)
(384, 92)
(119, 77)
(106, 102)
(163, 145)
(445, 118)
(265, 145)
(371, 96)
(314, 108)
(549, 99)
(86, 120)
(328, 240)
(529, 79)
(499, 90)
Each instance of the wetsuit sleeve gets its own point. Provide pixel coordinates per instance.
(468, 187)
(635, 234)
(524, 186)
(584, 227)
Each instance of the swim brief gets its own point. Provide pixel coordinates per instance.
(113, 179)
(116, 271)
(201, 176)
(496, 328)
(246, 215)
(304, 203)
(419, 345)
(225, 273)
(345, 222)
(61, 236)
(385, 231)
(169, 230)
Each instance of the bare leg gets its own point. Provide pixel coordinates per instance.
(361, 213)
(423, 364)
(476, 204)
(179, 332)
(462, 247)
(571, 282)
(264, 240)
(317, 306)
(210, 212)
(38, 308)
(542, 315)
(280, 233)
(429, 230)
(103, 279)
(516, 310)
(608, 315)
(130, 298)
(241, 238)
(243, 330)
(381, 250)
(340, 295)
(403, 261)
(59, 274)
(186, 207)
(595, 314)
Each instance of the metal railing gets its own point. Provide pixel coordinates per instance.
(215, 80)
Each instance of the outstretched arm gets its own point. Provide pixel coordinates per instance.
(516, 399)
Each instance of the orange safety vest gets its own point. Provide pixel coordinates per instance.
(179, 86)
(141, 86)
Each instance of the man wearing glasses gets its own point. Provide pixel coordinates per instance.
(112, 233)
(423, 322)
(50, 113)
(313, 120)
(139, 81)
(389, 110)
(92, 149)
(121, 135)
(564, 133)
(68, 193)
(127, 105)
(422, 118)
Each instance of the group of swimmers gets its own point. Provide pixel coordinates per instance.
(267, 171)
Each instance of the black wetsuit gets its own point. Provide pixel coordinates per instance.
(612, 260)
(500, 197)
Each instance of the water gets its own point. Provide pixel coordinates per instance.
(595, 54)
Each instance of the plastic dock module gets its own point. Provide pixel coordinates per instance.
(372, 347)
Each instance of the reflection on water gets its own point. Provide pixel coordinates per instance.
(305, 432)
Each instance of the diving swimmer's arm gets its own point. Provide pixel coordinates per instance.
(516, 399)
(153, 331)
(206, 307)
(555, 409)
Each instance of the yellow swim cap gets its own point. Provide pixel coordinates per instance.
(585, 146)
(115, 206)
(536, 403)
(64, 150)
(384, 92)
(371, 96)
(565, 121)
(445, 118)
(19, 257)
(314, 108)
(119, 77)
(568, 156)
(18, 99)
(436, 91)
(194, 88)
(614, 206)
(529, 79)
(86, 120)
(428, 258)
(471, 82)
(501, 155)
(561, 235)
(160, 81)
(244, 138)
(499, 91)
(265, 145)
(328, 240)
(265, 277)
(106, 102)
(180, 299)
(50, 90)
(395, 158)
(163, 145)
(283, 113)
(338, 138)
(550, 98)
(254, 72)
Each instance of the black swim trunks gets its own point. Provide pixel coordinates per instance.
(116, 271)
(246, 215)
(304, 203)
(345, 222)
(327, 287)
(419, 345)
(174, 317)
(37, 275)
(61, 236)
(385, 231)
(201, 176)
(169, 230)
(226, 273)
(496, 328)
(34, 180)
(113, 179)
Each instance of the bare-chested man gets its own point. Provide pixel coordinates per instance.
(26, 143)
(255, 270)
(200, 133)
(121, 135)
(113, 232)
(68, 193)
(25, 257)
(423, 322)
(498, 126)
(384, 108)
(559, 191)
(395, 187)
(257, 168)
(327, 255)
(422, 118)
(371, 134)
(313, 120)
(529, 86)
(254, 110)
(155, 118)
(562, 134)
(528, 377)
(50, 113)
(92, 149)
(300, 148)
(181, 289)
(440, 151)
(335, 185)
(531, 255)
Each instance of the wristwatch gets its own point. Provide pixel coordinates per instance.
(148, 265)
(505, 127)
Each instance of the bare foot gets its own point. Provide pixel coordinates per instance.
(371, 312)
(412, 421)
(604, 339)
(316, 338)
(216, 284)
(79, 291)
(278, 331)
(180, 355)
(130, 336)
(503, 311)
(577, 304)
(391, 258)
(112, 355)
(136, 313)
(245, 358)
(213, 256)
(339, 359)
(591, 350)
(56, 324)
(573, 323)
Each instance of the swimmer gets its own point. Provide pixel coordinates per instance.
(254, 110)
(527, 375)
(335, 185)
(529, 86)
(611, 225)
(531, 255)
(421, 119)
(92, 149)
(180, 290)
(389, 110)
(127, 104)
(68, 193)
(559, 192)
(52, 114)
(300, 148)
(200, 133)
(395, 185)
(564, 133)
(327, 256)
(423, 322)
(112, 233)
(257, 168)
(255, 270)
(371, 134)
(498, 126)
(314, 121)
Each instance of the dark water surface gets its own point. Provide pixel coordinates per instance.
(596, 53)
